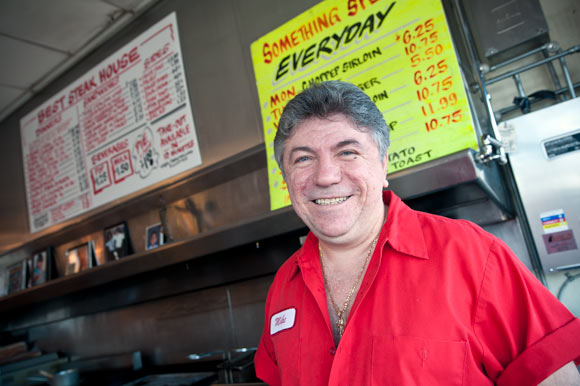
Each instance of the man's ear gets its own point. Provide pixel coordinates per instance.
(385, 167)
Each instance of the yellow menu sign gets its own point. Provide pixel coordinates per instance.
(399, 52)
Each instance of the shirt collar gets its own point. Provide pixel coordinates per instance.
(402, 231)
(403, 228)
(304, 255)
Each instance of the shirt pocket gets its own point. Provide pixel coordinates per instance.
(407, 360)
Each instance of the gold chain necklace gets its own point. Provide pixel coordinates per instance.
(341, 312)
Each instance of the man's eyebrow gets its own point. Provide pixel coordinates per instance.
(339, 145)
(300, 148)
(347, 142)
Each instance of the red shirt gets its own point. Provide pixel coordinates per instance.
(442, 302)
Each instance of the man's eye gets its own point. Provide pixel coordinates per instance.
(347, 152)
(301, 159)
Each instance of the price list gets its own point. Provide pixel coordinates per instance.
(399, 53)
(108, 115)
(434, 87)
(56, 170)
(435, 120)
(125, 125)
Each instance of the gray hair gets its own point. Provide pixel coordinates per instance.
(324, 99)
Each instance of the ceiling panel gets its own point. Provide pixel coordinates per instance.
(64, 25)
(41, 39)
(26, 64)
(127, 4)
(8, 95)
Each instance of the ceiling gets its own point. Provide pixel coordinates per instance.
(39, 40)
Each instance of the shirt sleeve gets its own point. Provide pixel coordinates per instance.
(525, 332)
(265, 358)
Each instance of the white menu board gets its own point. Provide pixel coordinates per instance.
(123, 126)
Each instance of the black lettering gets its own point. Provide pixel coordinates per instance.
(338, 39)
(369, 24)
(296, 60)
(382, 16)
(322, 47)
(282, 67)
(350, 35)
(308, 55)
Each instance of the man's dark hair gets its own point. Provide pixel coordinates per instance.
(328, 98)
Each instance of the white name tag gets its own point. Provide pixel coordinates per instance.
(282, 320)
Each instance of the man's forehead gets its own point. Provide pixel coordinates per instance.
(330, 124)
(329, 119)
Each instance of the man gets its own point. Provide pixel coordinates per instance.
(383, 295)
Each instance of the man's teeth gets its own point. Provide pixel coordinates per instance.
(330, 201)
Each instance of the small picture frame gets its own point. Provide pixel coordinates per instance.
(39, 268)
(117, 242)
(16, 277)
(78, 259)
(153, 236)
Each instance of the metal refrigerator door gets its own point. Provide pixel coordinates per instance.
(546, 165)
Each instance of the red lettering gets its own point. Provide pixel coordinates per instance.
(306, 31)
(180, 121)
(353, 6)
(156, 55)
(109, 151)
(49, 125)
(120, 64)
(46, 112)
(280, 320)
(164, 129)
(267, 53)
(282, 97)
(142, 144)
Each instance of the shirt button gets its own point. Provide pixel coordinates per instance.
(332, 351)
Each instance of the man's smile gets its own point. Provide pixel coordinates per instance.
(331, 201)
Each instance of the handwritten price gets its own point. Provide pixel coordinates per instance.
(443, 103)
(433, 89)
(447, 119)
(101, 178)
(122, 169)
(422, 34)
(430, 72)
(428, 54)
(434, 84)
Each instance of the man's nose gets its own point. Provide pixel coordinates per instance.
(327, 172)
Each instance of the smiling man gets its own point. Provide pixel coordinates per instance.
(381, 294)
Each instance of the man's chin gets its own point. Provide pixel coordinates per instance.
(332, 235)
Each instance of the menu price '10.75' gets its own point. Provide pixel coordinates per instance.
(434, 89)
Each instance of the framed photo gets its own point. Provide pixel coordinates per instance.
(153, 236)
(117, 242)
(39, 268)
(16, 277)
(78, 259)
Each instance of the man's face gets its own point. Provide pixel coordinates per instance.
(335, 178)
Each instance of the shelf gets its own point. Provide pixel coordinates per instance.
(455, 186)
(253, 230)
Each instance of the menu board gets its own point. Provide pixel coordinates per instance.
(123, 126)
(399, 52)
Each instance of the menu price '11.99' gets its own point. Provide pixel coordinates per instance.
(434, 86)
